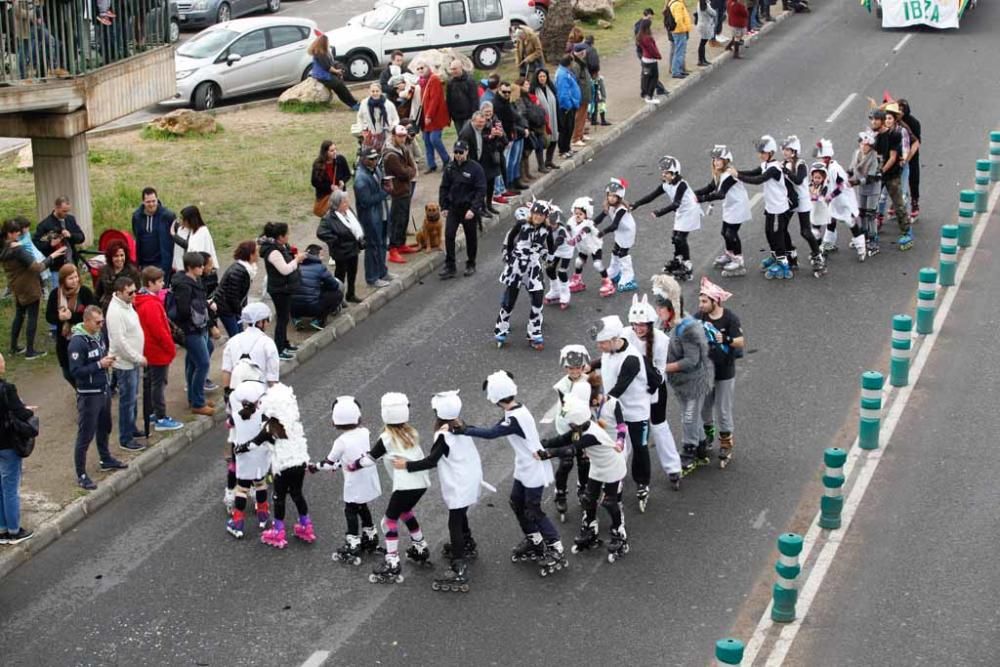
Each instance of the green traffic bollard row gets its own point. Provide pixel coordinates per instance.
(728, 652)
(902, 344)
(995, 156)
(966, 217)
(871, 409)
(832, 502)
(982, 184)
(949, 255)
(785, 594)
(926, 296)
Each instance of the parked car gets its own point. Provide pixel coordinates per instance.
(529, 12)
(240, 57)
(200, 13)
(478, 27)
(154, 20)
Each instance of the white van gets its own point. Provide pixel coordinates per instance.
(478, 27)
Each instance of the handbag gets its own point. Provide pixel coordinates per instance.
(321, 206)
(24, 431)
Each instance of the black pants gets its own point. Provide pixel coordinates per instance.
(805, 229)
(566, 465)
(701, 50)
(681, 248)
(567, 119)
(282, 313)
(527, 505)
(319, 310)
(638, 435)
(915, 178)
(731, 237)
(458, 531)
(612, 492)
(456, 218)
(776, 229)
(355, 511)
(30, 312)
(399, 216)
(491, 184)
(401, 502)
(154, 380)
(289, 483)
(649, 78)
(93, 417)
(336, 84)
(347, 273)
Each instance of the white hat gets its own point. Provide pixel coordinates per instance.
(395, 408)
(607, 328)
(641, 311)
(767, 144)
(824, 148)
(792, 142)
(575, 411)
(521, 213)
(253, 313)
(617, 187)
(346, 411)
(585, 204)
(670, 163)
(867, 137)
(500, 385)
(447, 404)
(574, 356)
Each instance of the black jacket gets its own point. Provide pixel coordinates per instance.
(277, 282)
(463, 188)
(192, 305)
(462, 98)
(342, 243)
(491, 159)
(321, 181)
(231, 294)
(513, 124)
(48, 231)
(10, 402)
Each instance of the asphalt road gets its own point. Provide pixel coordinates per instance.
(153, 577)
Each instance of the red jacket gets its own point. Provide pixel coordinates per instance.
(435, 108)
(159, 349)
(737, 13)
(648, 48)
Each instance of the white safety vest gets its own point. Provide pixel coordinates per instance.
(361, 485)
(635, 400)
(403, 480)
(687, 217)
(528, 470)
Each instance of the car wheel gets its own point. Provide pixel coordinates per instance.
(273, 6)
(540, 13)
(224, 13)
(175, 31)
(206, 96)
(486, 56)
(360, 66)
(305, 73)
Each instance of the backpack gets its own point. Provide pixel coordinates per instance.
(534, 115)
(669, 22)
(170, 306)
(21, 431)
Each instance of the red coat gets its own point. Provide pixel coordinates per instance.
(159, 349)
(435, 109)
(737, 13)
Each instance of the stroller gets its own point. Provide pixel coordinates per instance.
(98, 260)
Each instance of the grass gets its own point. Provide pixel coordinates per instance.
(295, 106)
(151, 133)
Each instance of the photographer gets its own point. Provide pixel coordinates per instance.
(58, 230)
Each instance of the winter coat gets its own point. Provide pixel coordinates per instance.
(706, 21)
(10, 403)
(154, 245)
(192, 305)
(125, 337)
(532, 113)
(435, 108)
(648, 49)
(84, 298)
(22, 273)
(377, 125)
(681, 16)
(567, 89)
(343, 245)
(583, 80)
(278, 282)
(321, 179)
(491, 159)
(46, 239)
(85, 354)
(529, 49)
(370, 196)
(463, 187)
(198, 241)
(738, 15)
(399, 165)
(159, 348)
(315, 279)
(546, 96)
(513, 124)
(104, 289)
(231, 294)
(689, 348)
(462, 97)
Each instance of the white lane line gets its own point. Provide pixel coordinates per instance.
(316, 659)
(827, 555)
(843, 105)
(756, 199)
(901, 43)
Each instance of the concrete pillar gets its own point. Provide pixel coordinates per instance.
(61, 168)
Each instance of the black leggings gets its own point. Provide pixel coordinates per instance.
(681, 248)
(915, 178)
(282, 313)
(346, 272)
(401, 502)
(355, 511)
(458, 531)
(731, 237)
(288, 482)
(612, 501)
(805, 229)
(701, 50)
(566, 465)
(638, 433)
(20, 312)
(559, 269)
(776, 229)
(336, 84)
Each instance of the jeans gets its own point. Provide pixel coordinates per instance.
(432, 142)
(93, 417)
(527, 506)
(20, 313)
(128, 399)
(754, 23)
(515, 150)
(231, 323)
(375, 249)
(399, 217)
(196, 367)
(10, 491)
(320, 309)
(680, 50)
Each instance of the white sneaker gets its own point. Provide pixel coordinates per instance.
(579, 144)
(655, 100)
(331, 262)
(379, 284)
(722, 259)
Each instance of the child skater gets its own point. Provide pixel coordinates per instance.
(574, 359)
(840, 196)
(252, 461)
(558, 269)
(607, 473)
(585, 239)
(361, 485)
(735, 209)
(820, 217)
(796, 171)
(527, 245)
(623, 227)
(780, 201)
(687, 214)
(460, 473)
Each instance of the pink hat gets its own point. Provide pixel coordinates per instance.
(713, 291)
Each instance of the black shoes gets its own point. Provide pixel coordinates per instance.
(470, 270)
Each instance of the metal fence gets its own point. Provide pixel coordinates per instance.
(46, 39)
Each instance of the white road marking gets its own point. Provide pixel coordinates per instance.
(870, 463)
(756, 199)
(843, 105)
(758, 523)
(902, 43)
(316, 659)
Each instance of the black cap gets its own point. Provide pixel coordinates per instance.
(369, 154)
(460, 147)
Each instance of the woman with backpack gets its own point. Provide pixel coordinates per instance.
(11, 407)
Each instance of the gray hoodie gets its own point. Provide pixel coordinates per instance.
(689, 348)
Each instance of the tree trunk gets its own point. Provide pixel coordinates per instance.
(558, 23)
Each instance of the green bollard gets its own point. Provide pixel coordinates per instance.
(982, 184)
(871, 409)
(728, 652)
(902, 342)
(784, 594)
(949, 255)
(832, 501)
(926, 294)
(966, 217)
(995, 156)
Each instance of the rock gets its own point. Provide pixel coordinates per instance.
(594, 9)
(603, 25)
(308, 91)
(186, 121)
(25, 159)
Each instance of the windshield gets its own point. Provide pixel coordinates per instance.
(207, 44)
(379, 18)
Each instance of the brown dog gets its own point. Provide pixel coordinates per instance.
(429, 236)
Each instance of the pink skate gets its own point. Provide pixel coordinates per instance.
(275, 537)
(304, 530)
(576, 283)
(563, 305)
(607, 287)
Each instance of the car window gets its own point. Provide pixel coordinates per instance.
(283, 35)
(249, 44)
(207, 43)
(411, 19)
(452, 12)
(379, 18)
(485, 10)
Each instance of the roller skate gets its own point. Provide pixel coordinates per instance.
(722, 260)
(369, 540)
(685, 272)
(616, 279)
(263, 515)
(642, 496)
(304, 530)
(709, 430)
(527, 550)
(858, 243)
(828, 247)
(725, 449)
(561, 506)
(607, 287)
(537, 343)
(914, 210)
(673, 266)
(587, 539)
(873, 248)
(768, 262)
(793, 260)
(703, 453)
(500, 339)
(387, 572)
(818, 262)
(419, 554)
(630, 286)
(905, 241)
(735, 267)
(275, 536)
(675, 480)
(576, 283)
(235, 525)
(471, 550)
(564, 305)
(618, 546)
(229, 500)
(552, 296)
(455, 579)
(689, 460)
(553, 560)
(780, 270)
(350, 552)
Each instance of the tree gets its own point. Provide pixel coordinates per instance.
(558, 23)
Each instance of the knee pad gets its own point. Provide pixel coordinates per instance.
(563, 276)
(579, 262)
(598, 265)
(231, 466)
(390, 527)
(260, 494)
(406, 516)
(609, 501)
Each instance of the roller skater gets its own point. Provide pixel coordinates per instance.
(608, 469)
(666, 293)
(865, 175)
(889, 146)
(623, 227)
(618, 546)
(687, 214)
(780, 200)
(724, 349)
(531, 476)
(840, 199)
(361, 485)
(527, 245)
(574, 358)
(460, 473)
(588, 244)
(735, 210)
(558, 268)
(252, 461)
(797, 172)
(820, 218)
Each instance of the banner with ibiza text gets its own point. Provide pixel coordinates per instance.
(933, 13)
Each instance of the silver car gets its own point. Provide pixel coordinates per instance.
(199, 13)
(241, 57)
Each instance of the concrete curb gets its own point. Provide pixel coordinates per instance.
(417, 268)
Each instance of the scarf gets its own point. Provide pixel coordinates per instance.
(251, 268)
(64, 302)
(351, 222)
(377, 106)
